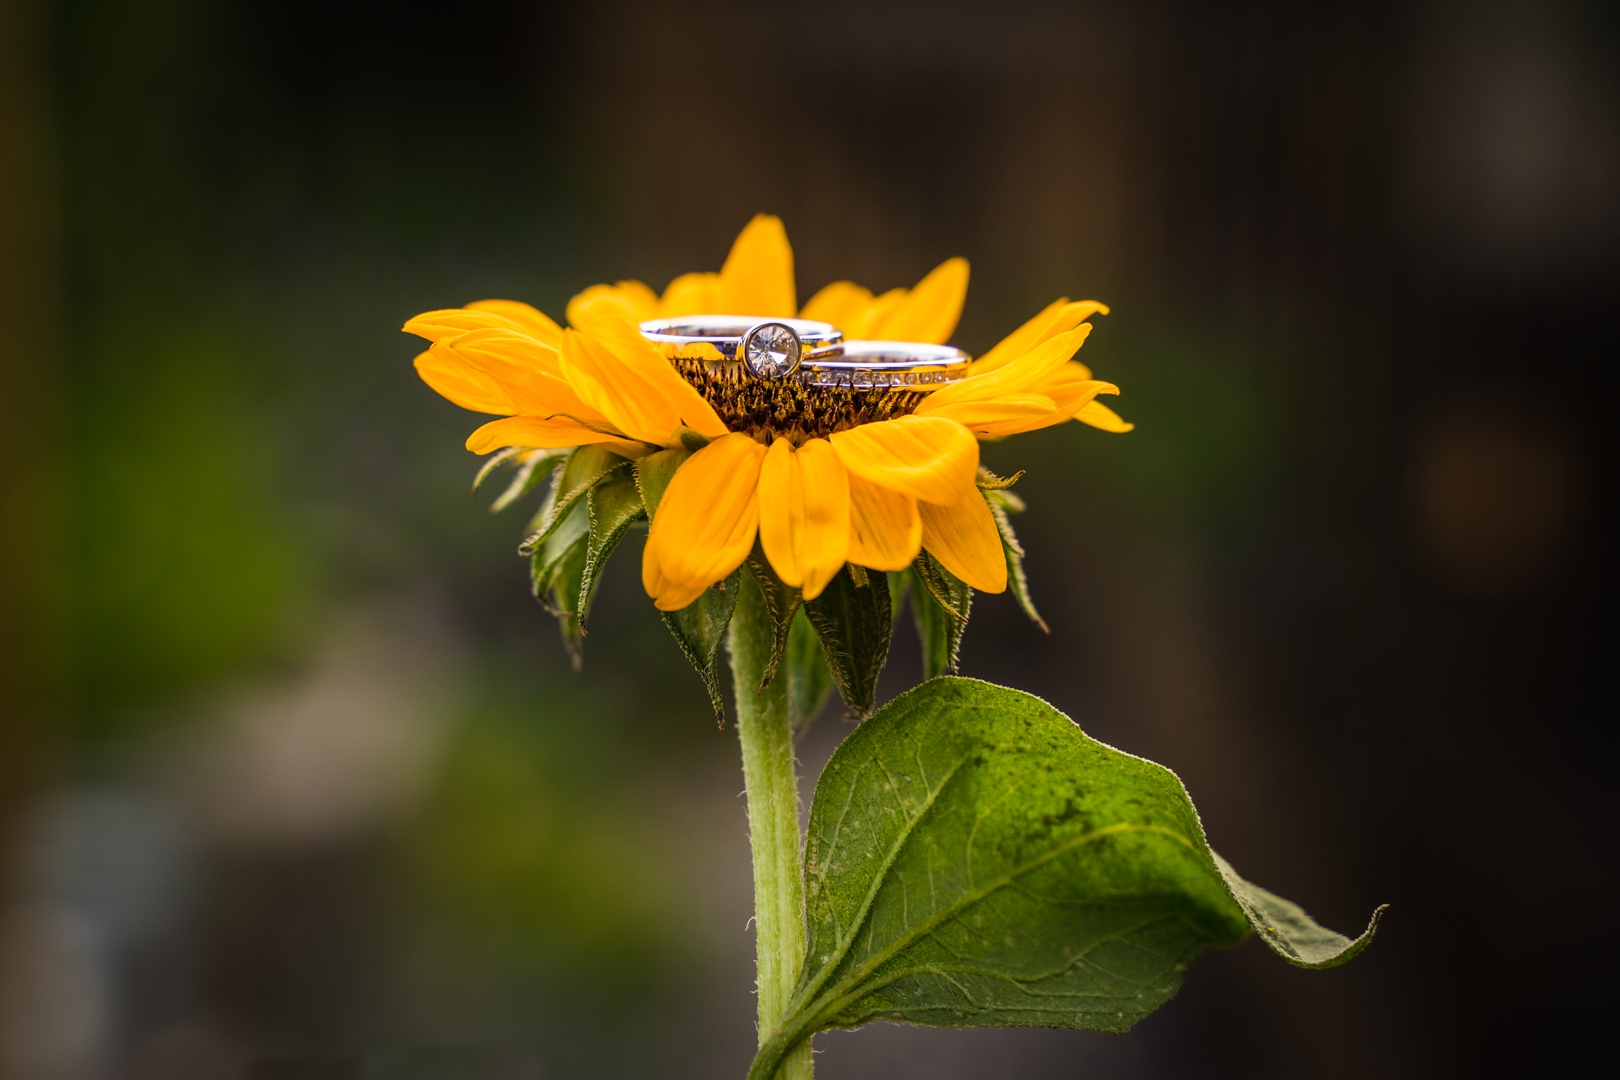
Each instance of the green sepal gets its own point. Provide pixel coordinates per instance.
(583, 470)
(653, 474)
(556, 572)
(529, 475)
(781, 603)
(975, 860)
(809, 679)
(700, 627)
(612, 507)
(692, 441)
(899, 589)
(989, 481)
(940, 605)
(1003, 503)
(855, 625)
(495, 461)
(948, 590)
(936, 632)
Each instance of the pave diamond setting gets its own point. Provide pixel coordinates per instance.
(771, 350)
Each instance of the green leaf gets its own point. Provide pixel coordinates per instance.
(781, 604)
(1292, 934)
(700, 627)
(855, 625)
(1003, 503)
(529, 475)
(612, 506)
(940, 605)
(809, 680)
(583, 470)
(556, 572)
(974, 859)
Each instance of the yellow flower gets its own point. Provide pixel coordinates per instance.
(819, 476)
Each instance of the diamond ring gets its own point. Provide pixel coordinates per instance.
(887, 365)
(771, 348)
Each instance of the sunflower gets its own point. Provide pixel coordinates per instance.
(817, 477)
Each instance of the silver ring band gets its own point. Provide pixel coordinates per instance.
(888, 365)
(805, 339)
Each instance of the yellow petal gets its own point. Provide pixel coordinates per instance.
(1058, 317)
(691, 294)
(627, 301)
(1066, 381)
(621, 375)
(461, 384)
(706, 522)
(545, 433)
(1012, 408)
(925, 457)
(885, 531)
(1068, 401)
(534, 322)
(964, 539)
(528, 371)
(1026, 373)
(1101, 416)
(929, 312)
(804, 513)
(448, 322)
(842, 303)
(649, 365)
(864, 324)
(757, 278)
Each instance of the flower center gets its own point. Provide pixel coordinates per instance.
(787, 407)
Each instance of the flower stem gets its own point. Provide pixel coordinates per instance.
(765, 729)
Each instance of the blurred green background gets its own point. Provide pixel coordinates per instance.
(295, 779)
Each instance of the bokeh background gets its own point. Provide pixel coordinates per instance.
(295, 780)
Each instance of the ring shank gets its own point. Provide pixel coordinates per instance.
(888, 365)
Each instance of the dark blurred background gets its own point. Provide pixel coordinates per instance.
(294, 777)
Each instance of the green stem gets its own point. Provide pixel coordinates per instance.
(764, 727)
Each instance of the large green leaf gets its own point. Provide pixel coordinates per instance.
(809, 680)
(975, 860)
(700, 627)
(940, 605)
(855, 625)
(583, 470)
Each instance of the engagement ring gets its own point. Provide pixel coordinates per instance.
(771, 348)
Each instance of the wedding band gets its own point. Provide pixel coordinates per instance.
(771, 348)
(888, 365)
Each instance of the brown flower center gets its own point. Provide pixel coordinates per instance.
(787, 407)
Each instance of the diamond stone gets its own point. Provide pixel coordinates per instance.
(771, 351)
